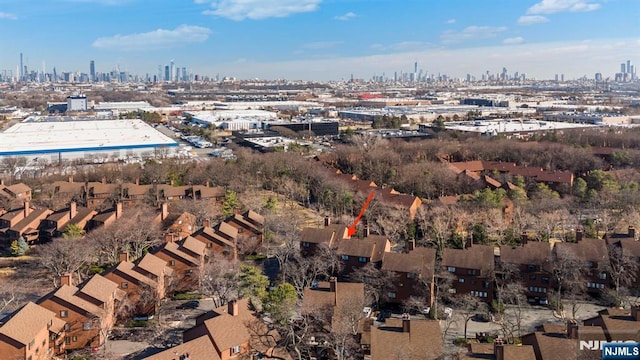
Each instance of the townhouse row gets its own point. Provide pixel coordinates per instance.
(80, 316)
(476, 269)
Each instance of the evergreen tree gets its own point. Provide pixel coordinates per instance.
(230, 203)
(19, 247)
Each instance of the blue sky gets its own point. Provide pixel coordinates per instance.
(323, 39)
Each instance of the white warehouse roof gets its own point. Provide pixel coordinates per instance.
(36, 137)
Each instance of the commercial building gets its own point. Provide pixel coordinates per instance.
(77, 103)
(39, 138)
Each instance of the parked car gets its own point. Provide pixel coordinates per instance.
(143, 317)
(193, 304)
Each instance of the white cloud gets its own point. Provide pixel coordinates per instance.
(471, 33)
(558, 6)
(532, 19)
(157, 39)
(319, 45)
(513, 40)
(259, 9)
(450, 21)
(348, 16)
(10, 16)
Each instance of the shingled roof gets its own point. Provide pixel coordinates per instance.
(25, 323)
(479, 257)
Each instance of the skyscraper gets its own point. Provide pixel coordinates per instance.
(172, 73)
(21, 68)
(92, 70)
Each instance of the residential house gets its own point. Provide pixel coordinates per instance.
(250, 227)
(618, 324)
(27, 228)
(179, 226)
(471, 270)
(592, 256)
(64, 192)
(54, 225)
(144, 282)
(87, 323)
(413, 274)
(31, 332)
(97, 193)
(168, 192)
(205, 192)
(358, 252)
(16, 192)
(531, 263)
(229, 332)
(133, 193)
(221, 239)
(343, 301)
(311, 239)
(627, 245)
(561, 342)
(186, 262)
(106, 217)
(500, 351)
(406, 338)
(394, 199)
(12, 217)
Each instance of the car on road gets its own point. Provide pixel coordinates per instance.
(193, 304)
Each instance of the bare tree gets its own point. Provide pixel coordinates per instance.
(467, 306)
(514, 295)
(567, 274)
(219, 279)
(302, 271)
(623, 268)
(63, 256)
(376, 282)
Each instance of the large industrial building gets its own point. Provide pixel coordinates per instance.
(56, 140)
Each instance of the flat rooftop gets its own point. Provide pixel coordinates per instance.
(511, 126)
(40, 137)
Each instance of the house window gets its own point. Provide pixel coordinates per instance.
(124, 285)
(172, 263)
(235, 349)
(452, 291)
(345, 257)
(545, 279)
(67, 327)
(411, 275)
(451, 269)
(591, 264)
(485, 284)
(74, 338)
(305, 244)
(363, 259)
(33, 342)
(64, 313)
(602, 276)
(391, 295)
(209, 245)
(87, 326)
(531, 267)
(67, 340)
(472, 272)
(460, 280)
(532, 277)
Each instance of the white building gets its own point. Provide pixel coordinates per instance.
(86, 140)
(77, 103)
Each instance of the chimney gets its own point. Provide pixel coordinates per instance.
(207, 183)
(635, 312)
(632, 232)
(65, 279)
(367, 231)
(27, 208)
(118, 210)
(168, 237)
(1, 182)
(71, 179)
(469, 242)
(205, 223)
(524, 238)
(73, 209)
(233, 308)
(327, 221)
(411, 245)
(236, 211)
(498, 349)
(406, 323)
(164, 211)
(104, 180)
(579, 235)
(572, 329)
(137, 181)
(123, 256)
(171, 182)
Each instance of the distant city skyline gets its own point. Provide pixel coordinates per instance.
(321, 39)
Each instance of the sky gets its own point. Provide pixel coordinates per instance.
(323, 39)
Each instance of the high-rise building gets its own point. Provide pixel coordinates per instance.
(171, 72)
(167, 73)
(21, 68)
(623, 68)
(598, 76)
(92, 71)
(629, 66)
